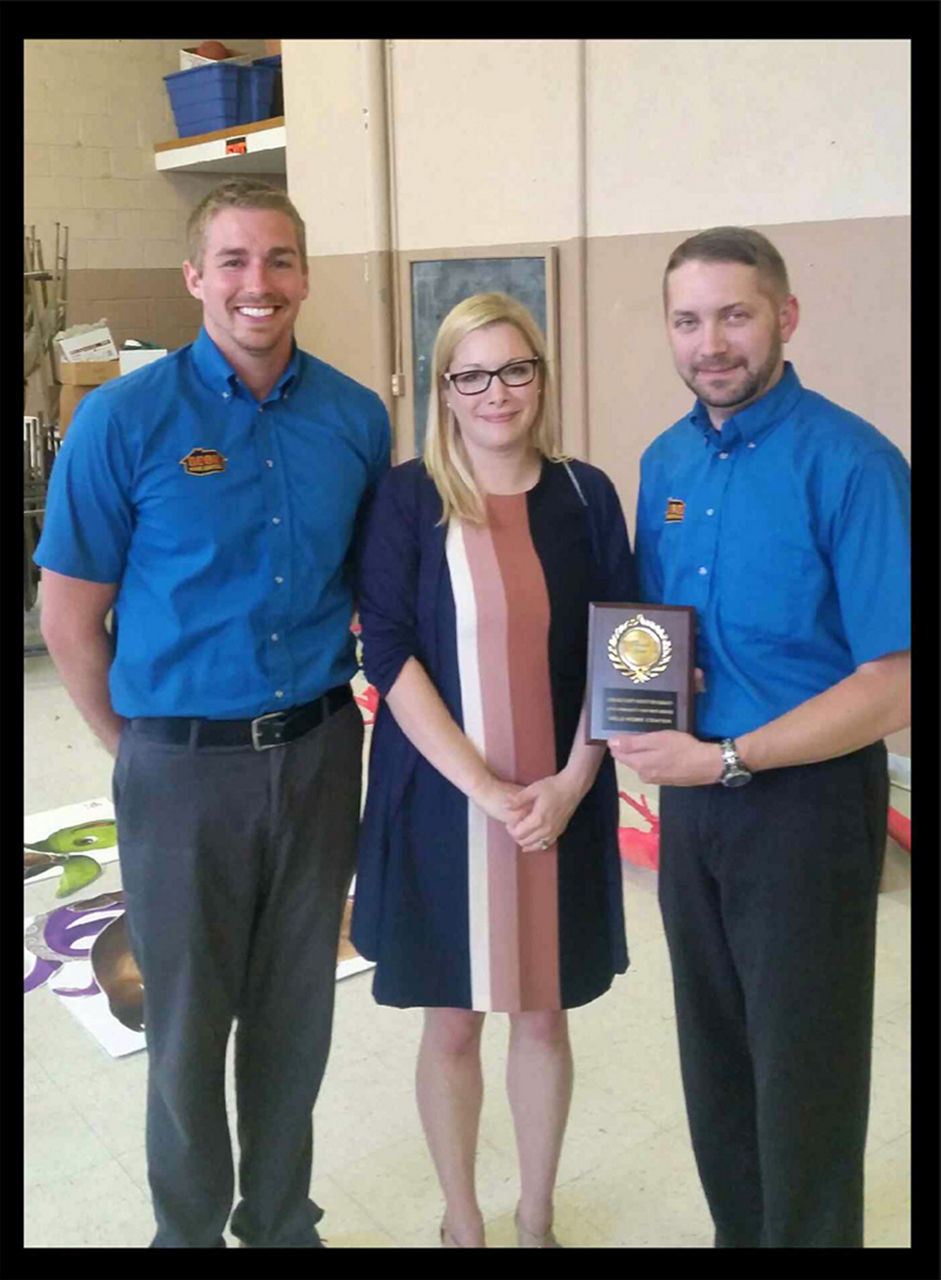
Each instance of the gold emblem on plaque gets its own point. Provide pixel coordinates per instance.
(640, 649)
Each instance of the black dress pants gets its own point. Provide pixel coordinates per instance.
(236, 865)
(769, 895)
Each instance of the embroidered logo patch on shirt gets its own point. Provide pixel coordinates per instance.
(203, 462)
(676, 510)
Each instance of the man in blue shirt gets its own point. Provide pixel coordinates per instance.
(784, 521)
(210, 500)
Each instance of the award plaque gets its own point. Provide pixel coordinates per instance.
(640, 668)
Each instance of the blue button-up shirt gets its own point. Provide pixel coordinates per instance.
(788, 531)
(226, 523)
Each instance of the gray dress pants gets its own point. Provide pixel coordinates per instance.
(236, 864)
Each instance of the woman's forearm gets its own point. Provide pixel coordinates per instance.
(585, 758)
(422, 716)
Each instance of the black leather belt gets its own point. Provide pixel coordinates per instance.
(272, 730)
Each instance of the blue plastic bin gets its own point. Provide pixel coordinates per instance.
(204, 98)
(256, 90)
(277, 97)
(219, 95)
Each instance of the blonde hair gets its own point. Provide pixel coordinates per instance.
(444, 455)
(240, 193)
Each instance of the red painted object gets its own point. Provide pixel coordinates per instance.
(900, 829)
(640, 847)
(369, 701)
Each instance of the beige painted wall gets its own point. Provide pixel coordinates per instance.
(697, 133)
(93, 111)
(614, 152)
(338, 176)
(486, 141)
(327, 100)
(611, 150)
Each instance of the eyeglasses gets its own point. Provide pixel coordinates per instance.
(470, 383)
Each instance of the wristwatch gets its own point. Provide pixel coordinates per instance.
(735, 773)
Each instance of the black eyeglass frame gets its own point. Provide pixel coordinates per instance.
(535, 361)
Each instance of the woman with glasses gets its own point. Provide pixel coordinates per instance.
(489, 876)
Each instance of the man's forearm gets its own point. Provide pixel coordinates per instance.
(83, 663)
(872, 702)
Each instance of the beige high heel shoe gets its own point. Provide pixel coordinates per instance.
(527, 1239)
(448, 1241)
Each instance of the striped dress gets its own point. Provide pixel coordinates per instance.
(454, 912)
(502, 609)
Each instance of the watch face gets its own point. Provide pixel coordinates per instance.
(736, 779)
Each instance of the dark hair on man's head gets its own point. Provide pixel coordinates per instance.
(734, 244)
(240, 193)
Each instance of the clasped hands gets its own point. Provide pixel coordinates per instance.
(534, 816)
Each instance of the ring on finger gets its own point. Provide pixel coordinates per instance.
(544, 844)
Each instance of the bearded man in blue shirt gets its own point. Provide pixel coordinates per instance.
(783, 519)
(210, 500)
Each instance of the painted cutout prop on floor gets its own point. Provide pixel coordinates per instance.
(71, 843)
(80, 950)
(61, 951)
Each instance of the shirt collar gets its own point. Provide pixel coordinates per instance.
(218, 374)
(757, 418)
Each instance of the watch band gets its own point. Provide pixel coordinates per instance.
(735, 773)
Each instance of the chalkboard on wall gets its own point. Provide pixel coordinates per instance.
(440, 285)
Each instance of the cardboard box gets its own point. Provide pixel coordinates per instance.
(189, 59)
(93, 344)
(133, 358)
(88, 373)
(77, 380)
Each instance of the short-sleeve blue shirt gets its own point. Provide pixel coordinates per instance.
(789, 533)
(227, 524)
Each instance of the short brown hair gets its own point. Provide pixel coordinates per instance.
(733, 244)
(240, 193)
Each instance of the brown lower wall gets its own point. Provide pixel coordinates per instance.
(151, 304)
(347, 318)
(852, 344)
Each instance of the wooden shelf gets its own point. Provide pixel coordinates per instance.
(213, 152)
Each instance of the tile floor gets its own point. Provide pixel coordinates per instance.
(627, 1176)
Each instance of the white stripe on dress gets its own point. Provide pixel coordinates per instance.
(465, 608)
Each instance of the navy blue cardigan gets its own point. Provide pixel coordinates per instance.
(403, 550)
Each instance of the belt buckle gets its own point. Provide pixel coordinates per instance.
(257, 731)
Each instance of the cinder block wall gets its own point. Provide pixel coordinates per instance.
(93, 111)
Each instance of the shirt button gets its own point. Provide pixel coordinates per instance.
(710, 511)
(275, 519)
(723, 455)
(703, 570)
(269, 462)
(751, 444)
(279, 693)
(278, 579)
(274, 635)
(226, 394)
